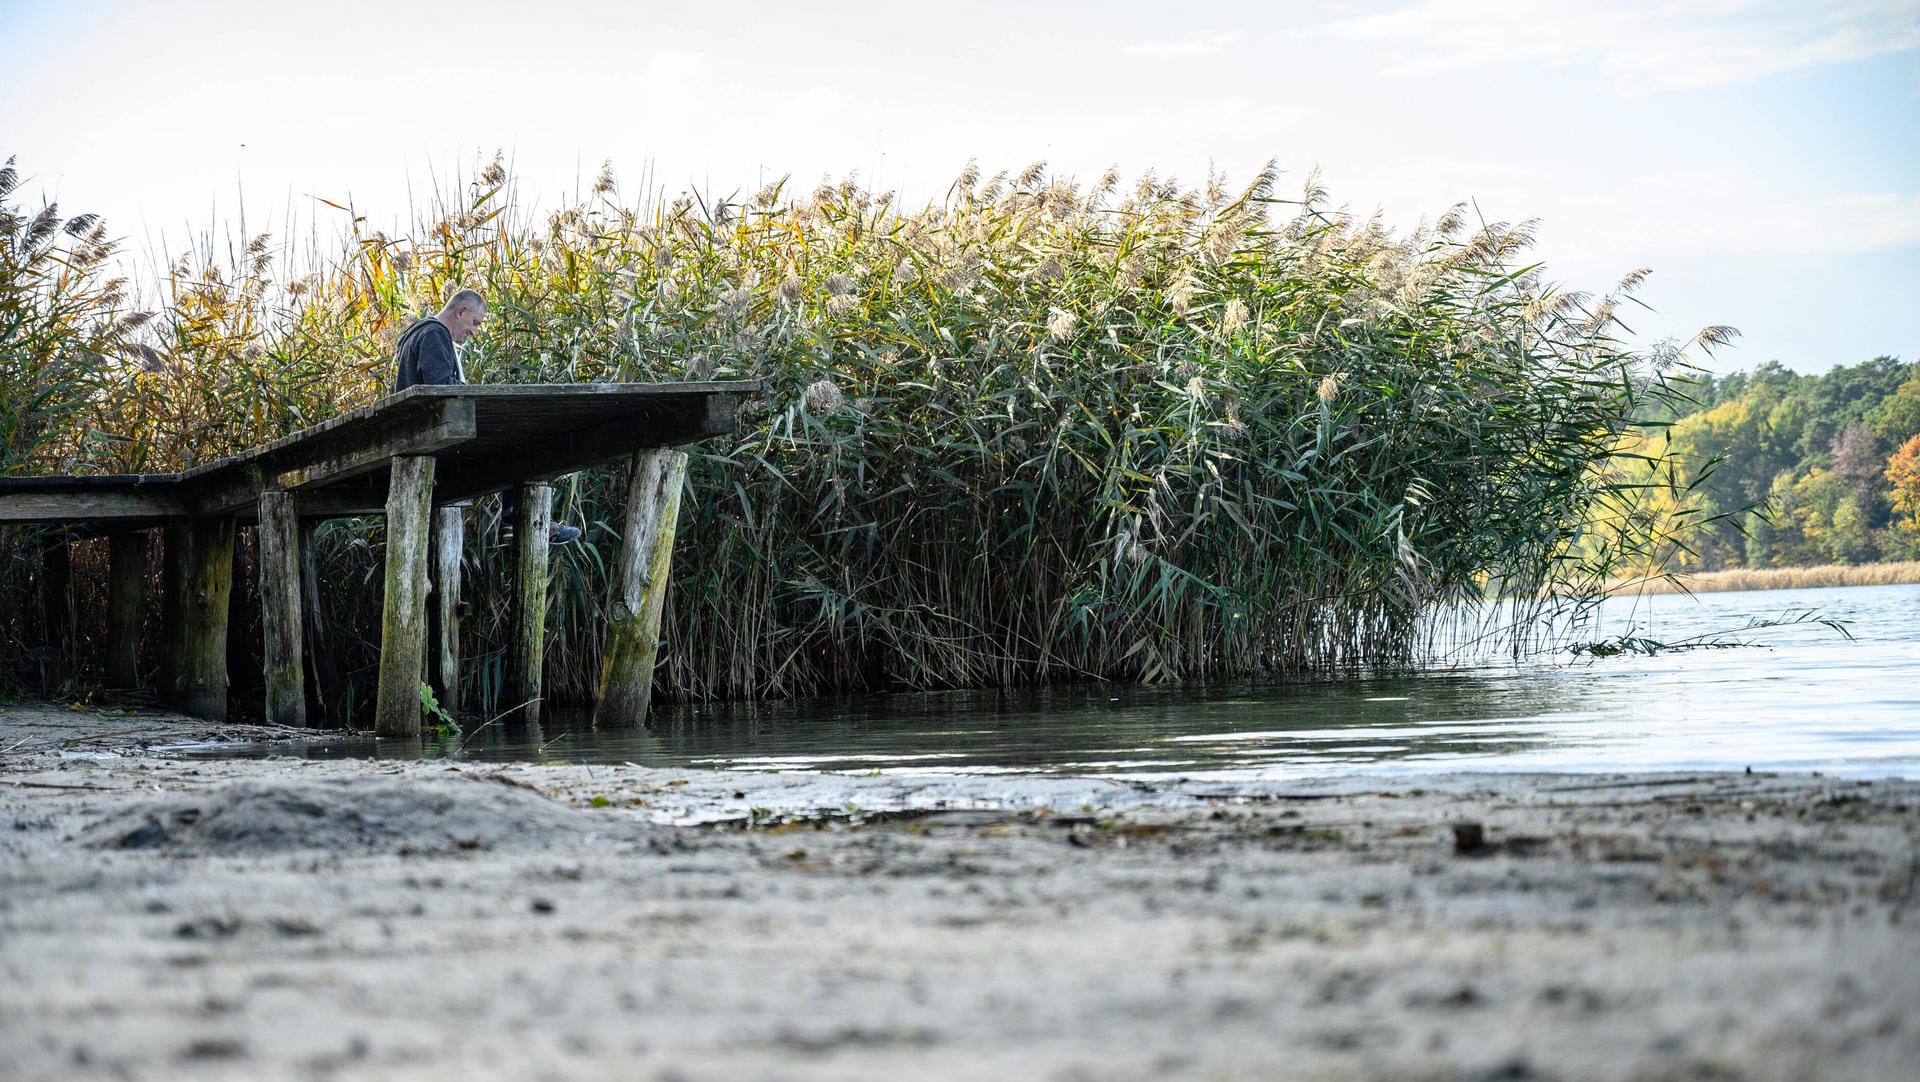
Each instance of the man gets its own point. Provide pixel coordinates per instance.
(426, 354)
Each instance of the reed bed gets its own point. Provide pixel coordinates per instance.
(1898, 573)
(1038, 431)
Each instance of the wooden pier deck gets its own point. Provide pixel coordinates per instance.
(413, 457)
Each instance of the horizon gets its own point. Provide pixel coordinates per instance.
(1763, 160)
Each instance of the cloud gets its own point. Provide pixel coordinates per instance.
(1191, 46)
(1644, 47)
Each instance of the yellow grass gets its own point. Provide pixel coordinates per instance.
(1781, 578)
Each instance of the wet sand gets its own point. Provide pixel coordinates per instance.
(169, 918)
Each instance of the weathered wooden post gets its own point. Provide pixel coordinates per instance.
(126, 605)
(321, 673)
(244, 679)
(640, 587)
(200, 560)
(173, 592)
(526, 649)
(443, 657)
(403, 623)
(280, 621)
(56, 603)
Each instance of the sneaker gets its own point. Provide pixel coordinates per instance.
(562, 533)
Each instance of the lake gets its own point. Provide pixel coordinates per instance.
(1802, 696)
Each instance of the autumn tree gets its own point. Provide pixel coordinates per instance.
(1903, 474)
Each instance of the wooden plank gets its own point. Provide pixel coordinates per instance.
(146, 502)
(443, 656)
(280, 618)
(451, 424)
(479, 470)
(640, 587)
(526, 645)
(514, 433)
(403, 623)
(126, 606)
(340, 455)
(204, 571)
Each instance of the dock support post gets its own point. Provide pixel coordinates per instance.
(56, 599)
(126, 606)
(403, 622)
(443, 658)
(640, 587)
(173, 592)
(280, 621)
(201, 569)
(322, 675)
(526, 649)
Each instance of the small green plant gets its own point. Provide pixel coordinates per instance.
(438, 719)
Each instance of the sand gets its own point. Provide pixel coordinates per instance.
(163, 917)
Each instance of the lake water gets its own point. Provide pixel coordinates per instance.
(1803, 697)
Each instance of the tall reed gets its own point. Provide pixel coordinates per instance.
(1037, 431)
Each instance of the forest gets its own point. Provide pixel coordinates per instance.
(1794, 470)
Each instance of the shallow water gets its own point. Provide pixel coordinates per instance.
(1803, 697)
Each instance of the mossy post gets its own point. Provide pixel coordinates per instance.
(202, 570)
(403, 623)
(443, 650)
(280, 619)
(640, 587)
(526, 648)
(126, 606)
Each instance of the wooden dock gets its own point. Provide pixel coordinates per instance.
(412, 457)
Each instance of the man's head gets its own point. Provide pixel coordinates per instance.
(464, 313)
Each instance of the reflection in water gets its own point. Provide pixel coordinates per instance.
(1807, 699)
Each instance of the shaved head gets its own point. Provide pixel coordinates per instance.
(464, 313)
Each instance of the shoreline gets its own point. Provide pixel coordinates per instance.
(285, 917)
(1734, 580)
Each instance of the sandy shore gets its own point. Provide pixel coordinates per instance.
(163, 917)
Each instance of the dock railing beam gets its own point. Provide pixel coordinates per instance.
(403, 624)
(281, 624)
(640, 587)
(526, 647)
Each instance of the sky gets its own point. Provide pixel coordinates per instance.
(1763, 158)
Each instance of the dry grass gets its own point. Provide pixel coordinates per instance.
(1780, 578)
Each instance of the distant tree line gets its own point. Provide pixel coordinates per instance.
(1792, 470)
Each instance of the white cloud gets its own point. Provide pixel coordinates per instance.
(1191, 46)
(1644, 47)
